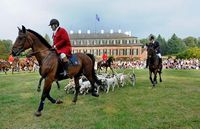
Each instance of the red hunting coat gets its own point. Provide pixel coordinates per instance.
(62, 42)
(104, 57)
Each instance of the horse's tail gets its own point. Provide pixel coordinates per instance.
(93, 71)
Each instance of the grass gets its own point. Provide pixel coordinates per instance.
(173, 104)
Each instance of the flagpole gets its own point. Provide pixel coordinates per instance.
(97, 19)
(95, 22)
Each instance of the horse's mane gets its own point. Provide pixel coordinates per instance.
(44, 41)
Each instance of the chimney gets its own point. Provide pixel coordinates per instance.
(88, 31)
(71, 31)
(111, 31)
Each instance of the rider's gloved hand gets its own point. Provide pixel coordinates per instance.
(53, 48)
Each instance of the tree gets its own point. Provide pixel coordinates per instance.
(144, 41)
(48, 39)
(190, 53)
(190, 41)
(198, 42)
(5, 47)
(175, 45)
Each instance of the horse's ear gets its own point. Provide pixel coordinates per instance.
(23, 29)
(19, 29)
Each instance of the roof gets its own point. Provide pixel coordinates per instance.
(99, 36)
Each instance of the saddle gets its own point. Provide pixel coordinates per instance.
(73, 61)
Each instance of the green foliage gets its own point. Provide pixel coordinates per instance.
(190, 41)
(144, 41)
(5, 47)
(198, 42)
(190, 53)
(175, 45)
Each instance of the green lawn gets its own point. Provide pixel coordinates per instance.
(173, 104)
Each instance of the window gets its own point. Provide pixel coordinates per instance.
(124, 52)
(113, 52)
(135, 52)
(128, 51)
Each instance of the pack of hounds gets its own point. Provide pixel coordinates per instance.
(108, 81)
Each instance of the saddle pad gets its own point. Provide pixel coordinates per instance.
(74, 60)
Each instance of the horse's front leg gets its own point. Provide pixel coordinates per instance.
(41, 105)
(45, 94)
(77, 88)
(12, 70)
(155, 77)
(4, 69)
(150, 76)
(112, 70)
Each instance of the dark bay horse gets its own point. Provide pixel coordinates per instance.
(106, 64)
(154, 65)
(50, 66)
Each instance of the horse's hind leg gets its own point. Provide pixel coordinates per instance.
(160, 76)
(39, 84)
(77, 88)
(58, 85)
(94, 88)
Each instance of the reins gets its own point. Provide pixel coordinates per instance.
(37, 52)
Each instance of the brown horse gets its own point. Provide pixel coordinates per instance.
(51, 66)
(15, 65)
(4, 66)
(106, 64)
(154, 65)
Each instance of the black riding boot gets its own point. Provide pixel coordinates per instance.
(65, 68)
(147, 63)
(160, 61)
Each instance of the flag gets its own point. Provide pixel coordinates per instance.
(97, 18)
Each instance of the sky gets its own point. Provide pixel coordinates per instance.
(140, 17)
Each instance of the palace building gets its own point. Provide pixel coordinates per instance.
(119, 45)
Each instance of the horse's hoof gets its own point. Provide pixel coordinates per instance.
(95, 94)
(38, 113)
(59, 101)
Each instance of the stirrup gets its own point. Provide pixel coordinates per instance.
(64, 73)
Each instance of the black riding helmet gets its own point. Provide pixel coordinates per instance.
(151, 37)
(54, 22)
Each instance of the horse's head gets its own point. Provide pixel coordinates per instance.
(150, 51)
(22, 42)
(110, 59)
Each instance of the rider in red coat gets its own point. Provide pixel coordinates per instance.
(10, 59)
(104, 57)
(61, 42)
